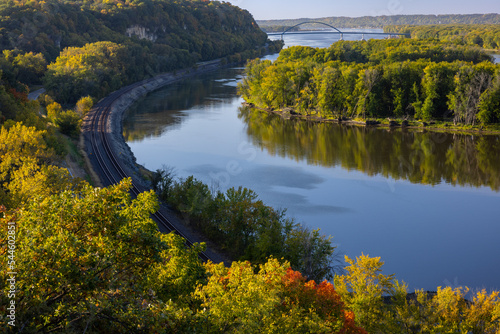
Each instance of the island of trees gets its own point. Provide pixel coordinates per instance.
(486, 36)
(81, 259)
(394, 78)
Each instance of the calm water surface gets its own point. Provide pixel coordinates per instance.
(427, 203)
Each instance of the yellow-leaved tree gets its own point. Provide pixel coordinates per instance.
(93, 260)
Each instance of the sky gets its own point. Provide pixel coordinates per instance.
(292, 9)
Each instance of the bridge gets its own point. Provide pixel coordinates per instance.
(335, 31)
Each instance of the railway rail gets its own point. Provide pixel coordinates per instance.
(105, 161)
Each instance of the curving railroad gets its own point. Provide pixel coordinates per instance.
(107, 163)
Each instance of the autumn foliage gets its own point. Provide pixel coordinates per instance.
(322, 297)
(271, 299)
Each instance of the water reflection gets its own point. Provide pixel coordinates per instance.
(164, 109)
(419, 156)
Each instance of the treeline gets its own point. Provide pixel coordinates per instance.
(385, 20)
(484, 35)
(245, 228)
(421, 79)
(95, 47)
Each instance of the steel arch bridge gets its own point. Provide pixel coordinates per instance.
(337, 31)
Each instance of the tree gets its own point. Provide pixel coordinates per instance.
(366, 82)
(489, 102)
(31, 181)
(93, 260)
(84, 105)
(20, 144)
(362, 289)
(275, 299)
(311, 253)
(94, 69)
(54, 110)
(277, 86)
(437, 83)
(330, 93)
(68, 123)
(471, 82)
(238, 300)
(31, 67)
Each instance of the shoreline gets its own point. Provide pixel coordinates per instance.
(289, 113)
(114, 128)
(114, 123)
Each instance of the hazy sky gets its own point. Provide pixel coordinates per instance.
(291, 9)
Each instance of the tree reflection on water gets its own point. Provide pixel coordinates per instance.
(416, 155)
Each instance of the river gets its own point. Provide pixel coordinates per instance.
(427, 203)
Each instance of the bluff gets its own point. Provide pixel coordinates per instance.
(179, 31)
(79, 48)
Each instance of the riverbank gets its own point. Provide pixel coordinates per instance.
(440, 126)
(121, 104)
(114, 129)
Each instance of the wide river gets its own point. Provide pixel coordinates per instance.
(427, 203)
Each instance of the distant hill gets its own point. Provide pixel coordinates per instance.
(381, 21)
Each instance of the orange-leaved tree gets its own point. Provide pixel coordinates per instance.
(321, 299)
(272, 299)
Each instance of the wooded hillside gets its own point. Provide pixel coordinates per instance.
(141, 39)
(383, 20)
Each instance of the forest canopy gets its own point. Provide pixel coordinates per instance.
(399, 78)
(108, 44)
(92, 260)
(484, 35)
(207, 30)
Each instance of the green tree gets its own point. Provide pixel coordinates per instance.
(437, 83)
(277, 86)
(311, 253)
(330, 93)
(68, 123)
(31, 67)
(94, 69)
(489, 102)
(367, 80)
(94, 260)
(471, 82)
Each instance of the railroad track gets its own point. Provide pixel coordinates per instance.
(108, 166)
